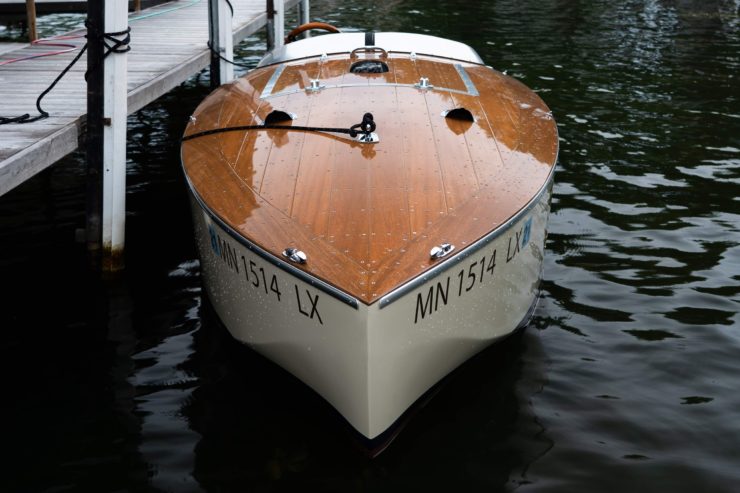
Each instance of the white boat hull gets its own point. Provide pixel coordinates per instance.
(372, 362)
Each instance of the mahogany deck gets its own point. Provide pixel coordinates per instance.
(367, 215)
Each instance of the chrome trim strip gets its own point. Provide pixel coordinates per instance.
(390, 41)
(273, 80)
(302, 275)
(472, 90)
(266, 94)
(438, 269)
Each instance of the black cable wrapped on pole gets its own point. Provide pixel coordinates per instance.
(94, 127)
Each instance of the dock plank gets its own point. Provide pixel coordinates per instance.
(168, 45)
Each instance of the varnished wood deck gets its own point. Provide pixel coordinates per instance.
(166, 49)
(368, 214)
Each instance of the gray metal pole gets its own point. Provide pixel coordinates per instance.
(94, 121)
(304, 13)
(213, 25)
(270, 25)
(279, 24)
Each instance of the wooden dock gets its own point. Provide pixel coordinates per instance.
(18, 7)
(168, 45)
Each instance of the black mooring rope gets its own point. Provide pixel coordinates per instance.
(365, 127)
(116, 46)
(231, 7)
(236, 64)
(219, 55)
(119, 45)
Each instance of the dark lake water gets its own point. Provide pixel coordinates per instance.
(627, 378)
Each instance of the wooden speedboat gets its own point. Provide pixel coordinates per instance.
(371, 262)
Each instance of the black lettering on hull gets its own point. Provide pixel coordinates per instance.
(424, 307)
(313, 301)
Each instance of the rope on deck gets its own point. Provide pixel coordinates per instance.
(365, 127)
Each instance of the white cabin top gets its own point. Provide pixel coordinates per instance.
(328, 44)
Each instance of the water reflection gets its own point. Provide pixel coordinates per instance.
(260, 426)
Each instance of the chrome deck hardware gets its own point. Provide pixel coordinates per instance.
(441, 250)
(371, 138)
(295, 255)
(424, 84)
(315, 85)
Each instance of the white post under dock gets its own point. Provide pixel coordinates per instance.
(221, 38)
(114, 140)
(276, 24)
